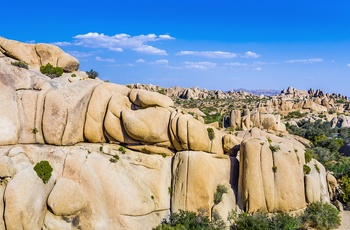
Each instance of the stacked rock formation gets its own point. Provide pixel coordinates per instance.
(125, 158)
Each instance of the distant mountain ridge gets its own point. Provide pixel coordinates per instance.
(265, 92)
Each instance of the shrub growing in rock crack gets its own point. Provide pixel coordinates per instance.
(44, 170)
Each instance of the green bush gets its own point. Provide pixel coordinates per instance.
(285, 222)
(44, 170)
(51, 71)
(308, 156)
(20, 64)
(245, 221)
(306, 169)
(211, 135)
(187, 220)
(220, 190)
(321, 216)
(122, 149)
(114, 159)
(344, 196)
(92, 74)
(274, 148)
(73, 75)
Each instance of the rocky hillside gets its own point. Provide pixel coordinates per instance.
(80, 153)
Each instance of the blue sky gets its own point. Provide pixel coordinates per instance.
(218, 44)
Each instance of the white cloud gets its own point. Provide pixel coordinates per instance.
(31, 42)
(250, 54)
(119, 42)
(208, 54)
(161, 62)
(62, 43)
(348, 65)
(200, 65)
(305, 61)
(257, 68)
(104, 59)
(236, 64)
(79, 54)
(140, 60)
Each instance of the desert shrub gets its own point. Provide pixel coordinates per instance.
(341, 167)
(20, 64)
(220, 190)
(274, 168)
(274, 148)
(122, 149)
(344, 195)
(285, 222)
(211, 135)
(306, 169)
(44, 170)
(162, 91)
(114, 159)
(73, 75)
(321, 216)
(257, 221)
(191, 221)
(92, 74)
(308, 155)
(295, 114)
(51, 71)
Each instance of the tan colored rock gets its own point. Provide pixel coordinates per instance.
(260, 188)
(65, 109)
(116, 190)
(93, 129)
(230, 144)
(9, 123)
(6, 167)
(196, 176)
(66, 198)
(53, 222)
(316, 186)
(152, 149)
(332, 186)
(26, 194)
(146, 99)
(141, 124)
(20, 51)
(235, 119)
(113, 125)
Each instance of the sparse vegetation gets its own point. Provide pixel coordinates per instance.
(44, 171)
(274, 148)
(220, 190)
(274, 168)
(20, 64)
(122, 149)
(211, 135)
(51, 71)
(306, 169)
(73, 75)
(187, 220)
(321, 216)
(114, 159)
(92, 74)
(35, 130)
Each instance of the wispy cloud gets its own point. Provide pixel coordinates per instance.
(160, 62)
(104, 59)
(200, 65)
(140, 60)
(61, 43)
(348, 65)
(236, 64)
(257, 69)
(120, 42)
(208, 54)
(79, 54)
(250, 54)
(305, 61)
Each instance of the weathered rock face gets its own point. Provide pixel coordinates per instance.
(172, 161)
(38, 55)
(196, 177)
(88, 190)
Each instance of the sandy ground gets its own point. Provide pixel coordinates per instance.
(345, 220)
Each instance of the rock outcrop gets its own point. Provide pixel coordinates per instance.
(125, 158)
(37, 55)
